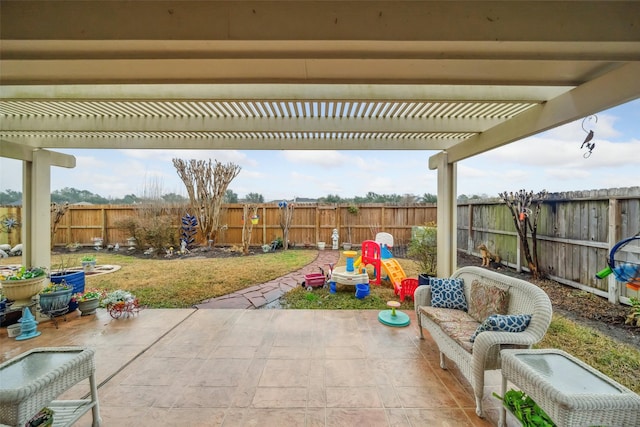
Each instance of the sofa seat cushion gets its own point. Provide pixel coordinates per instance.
(460, 332)
(440, 315)
(486, 299)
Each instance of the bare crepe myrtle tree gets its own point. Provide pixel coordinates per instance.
(286, 216)
(525, 219)
(250, 212)
(57, 212)
(206, 184)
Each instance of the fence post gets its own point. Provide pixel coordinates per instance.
(612, 238)
(470, 232)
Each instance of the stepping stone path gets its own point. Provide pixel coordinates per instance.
(268, 294)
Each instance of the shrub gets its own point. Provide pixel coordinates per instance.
(423, 248)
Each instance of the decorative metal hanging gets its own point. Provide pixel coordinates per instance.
(587, 144)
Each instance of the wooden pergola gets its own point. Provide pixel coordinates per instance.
(457, 78)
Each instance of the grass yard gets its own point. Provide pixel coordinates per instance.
(179, 283)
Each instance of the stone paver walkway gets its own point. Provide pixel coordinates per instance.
(262, 295)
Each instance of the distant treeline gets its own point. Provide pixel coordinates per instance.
(74, 195)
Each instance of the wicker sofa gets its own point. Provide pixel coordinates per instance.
(452, 329)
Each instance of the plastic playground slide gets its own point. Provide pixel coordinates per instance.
(394, 271)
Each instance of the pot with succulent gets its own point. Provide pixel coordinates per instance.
(88, 301)
(120, 303)
(22, 284)
(88, 263)
(54, 299)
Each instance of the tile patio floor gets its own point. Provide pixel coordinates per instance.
(281, 368)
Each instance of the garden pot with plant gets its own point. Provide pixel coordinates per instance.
(120, 303)
(22, 284)
(73, 278)
(423, 248)
(88, 301)
(54, 298)
(88, 263)
(524, 409)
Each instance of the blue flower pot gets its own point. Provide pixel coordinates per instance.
(75, 279)
(362, 290)
(55, 301)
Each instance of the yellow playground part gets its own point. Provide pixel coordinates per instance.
(395, 272)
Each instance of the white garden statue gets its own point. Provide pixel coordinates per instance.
(334, 239)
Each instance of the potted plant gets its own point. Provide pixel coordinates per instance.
(72, 277)
(120, 302)
(88, 263)
(22, 284)
(44, 418)
(55, 297)
(423, 248)
(524, 409)
(72, 247)
(88, 301)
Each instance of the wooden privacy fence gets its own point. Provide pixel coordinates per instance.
(311, 223)
(575, 231)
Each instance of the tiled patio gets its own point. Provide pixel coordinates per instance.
(262, 367)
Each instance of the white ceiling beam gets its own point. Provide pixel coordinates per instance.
(614, 88)
(310, 71)
(23, 152)
(121, 142)
(389, 20)
(325, 49)
(242, 124)
(282, 91)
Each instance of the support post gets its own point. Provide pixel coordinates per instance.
(447, 214)
(38, 189)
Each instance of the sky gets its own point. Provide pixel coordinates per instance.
(551, 161)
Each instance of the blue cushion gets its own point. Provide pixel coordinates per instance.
(448, 293)
(503, 323)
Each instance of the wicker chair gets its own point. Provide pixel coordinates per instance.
(524, 298)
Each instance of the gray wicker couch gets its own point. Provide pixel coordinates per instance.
(484, 353)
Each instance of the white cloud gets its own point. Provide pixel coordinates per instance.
(223, 156)
(324, 159)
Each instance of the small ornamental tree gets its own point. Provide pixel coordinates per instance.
(206, 184)
(525, 209)
(286, 216)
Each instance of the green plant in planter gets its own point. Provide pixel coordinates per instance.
(25, 274)
(525, 409)
(55, 287)
(88, 258)
(117, 296)
(89, 295)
